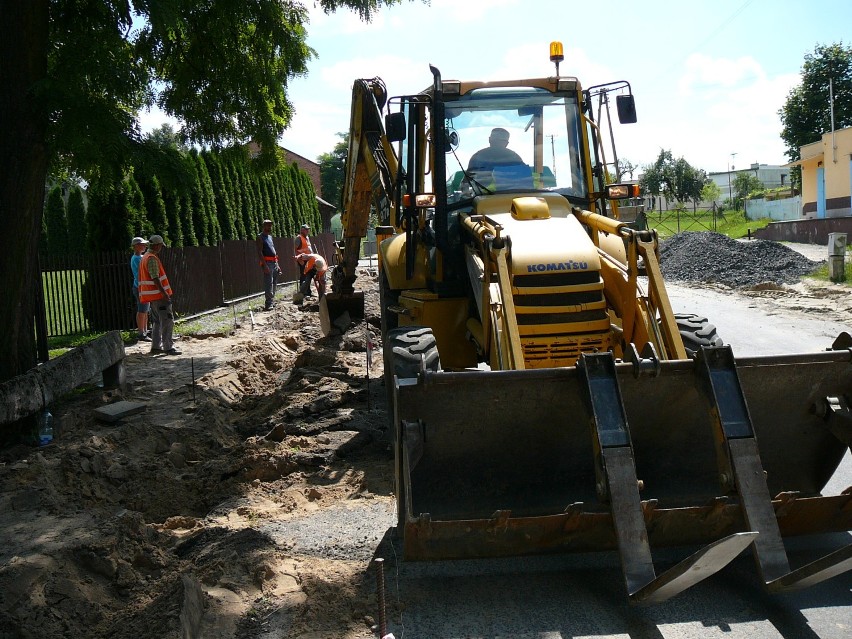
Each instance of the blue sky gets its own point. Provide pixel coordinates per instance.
(709, 77)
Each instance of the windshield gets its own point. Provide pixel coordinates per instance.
(511, 139)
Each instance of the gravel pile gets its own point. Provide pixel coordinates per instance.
(712, 257)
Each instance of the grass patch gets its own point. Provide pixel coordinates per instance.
(821, 273)
(63, 300)
(734, 224)
(58, 345)
(67, 342)
(188, 328)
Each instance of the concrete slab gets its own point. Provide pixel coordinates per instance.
(118, 410)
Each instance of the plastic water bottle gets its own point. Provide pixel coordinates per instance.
(45, 428)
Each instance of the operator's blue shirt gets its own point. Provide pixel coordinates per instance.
(135, 260)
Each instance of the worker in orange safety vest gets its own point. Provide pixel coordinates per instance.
(303, 249)
(154, 287)
(314, 271)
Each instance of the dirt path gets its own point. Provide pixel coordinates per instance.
(215, 513)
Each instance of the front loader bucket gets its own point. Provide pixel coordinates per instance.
(334, 306)
(518, 462)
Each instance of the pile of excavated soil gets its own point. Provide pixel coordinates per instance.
(217, 512)
(715, 258)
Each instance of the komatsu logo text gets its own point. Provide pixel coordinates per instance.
(557, 266)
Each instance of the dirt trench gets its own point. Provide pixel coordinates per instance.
(225, 509)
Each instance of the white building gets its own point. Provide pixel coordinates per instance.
(771, 176)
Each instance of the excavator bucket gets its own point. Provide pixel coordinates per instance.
(336, 307)
(716, 452)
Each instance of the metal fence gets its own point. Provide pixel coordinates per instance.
(84, 293)
(671, 221)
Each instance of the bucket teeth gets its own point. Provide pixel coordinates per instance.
(611, 440)
(735, 435)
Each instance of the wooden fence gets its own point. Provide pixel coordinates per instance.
(93, 292)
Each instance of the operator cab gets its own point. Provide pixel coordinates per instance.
(511, 139)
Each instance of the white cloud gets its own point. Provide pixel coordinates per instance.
(704, 72)
(532, 60)
(314, 128)
(323, 101)
(722, 106)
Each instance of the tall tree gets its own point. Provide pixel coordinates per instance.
(57, 225)
(332, 168)
(744, 185)
(70, 107)
(676, 180)
(112, 220)
(806, 113)
(625, 168)
(187, 220)
(173, 210)
(76, 214)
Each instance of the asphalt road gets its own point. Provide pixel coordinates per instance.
(583, 595)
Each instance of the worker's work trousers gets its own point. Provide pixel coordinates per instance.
(164, 324)
(305, 287)
(270, 281)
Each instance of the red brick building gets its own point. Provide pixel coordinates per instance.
(310, 167)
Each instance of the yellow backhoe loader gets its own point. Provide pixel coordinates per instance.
(544, 395)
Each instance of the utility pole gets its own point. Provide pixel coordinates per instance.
(553, 150)
(731, 168)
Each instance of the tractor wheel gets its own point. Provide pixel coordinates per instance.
(405, 346)
(696, 331)
(406, 349)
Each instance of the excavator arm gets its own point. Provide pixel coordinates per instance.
(370, 174)
(369, 177)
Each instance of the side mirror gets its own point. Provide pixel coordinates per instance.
(626, 108)
(452, 141)
(395, 126)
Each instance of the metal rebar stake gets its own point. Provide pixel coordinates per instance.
(380, 587)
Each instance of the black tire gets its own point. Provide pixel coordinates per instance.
(696, 331)
(406, 349)
(407, 345)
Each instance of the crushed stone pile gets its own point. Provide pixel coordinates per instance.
(694, 256)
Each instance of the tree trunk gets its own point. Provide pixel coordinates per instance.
(23, 169)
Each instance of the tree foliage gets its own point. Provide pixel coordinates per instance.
(76, 73)
(710, 192)
(744, 185)
(55, 223)
(625, 168)
(806, 113)
(676, 180)
(76, 215)
(332, 170)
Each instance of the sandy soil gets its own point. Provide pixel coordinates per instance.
(247, 500)
(213, 513)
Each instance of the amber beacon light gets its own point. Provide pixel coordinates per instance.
(556, 55)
